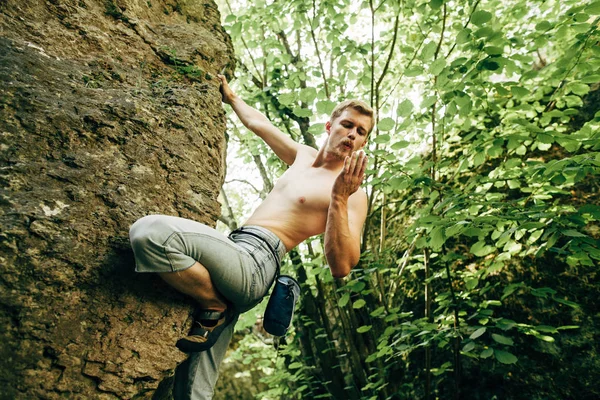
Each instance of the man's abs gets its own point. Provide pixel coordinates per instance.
(291, 224)
(296, 209)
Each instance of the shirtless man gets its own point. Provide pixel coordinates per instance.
(320, 192)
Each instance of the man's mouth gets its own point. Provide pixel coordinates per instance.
(347, 145)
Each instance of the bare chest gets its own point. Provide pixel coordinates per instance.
(310, 190)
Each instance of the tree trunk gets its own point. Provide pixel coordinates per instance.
(109, 111)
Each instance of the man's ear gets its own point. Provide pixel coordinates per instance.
(328, 127)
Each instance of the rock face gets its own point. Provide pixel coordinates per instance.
(109, 111)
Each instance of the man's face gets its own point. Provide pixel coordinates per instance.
(347, 133)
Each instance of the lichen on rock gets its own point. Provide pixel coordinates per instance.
(109, 111)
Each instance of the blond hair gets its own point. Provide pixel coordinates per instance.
(357, 105)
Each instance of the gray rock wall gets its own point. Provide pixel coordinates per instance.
(109, 110)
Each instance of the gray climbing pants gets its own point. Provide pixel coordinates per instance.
(242, 267)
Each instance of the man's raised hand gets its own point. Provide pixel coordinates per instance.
(226, 92)
(351, 176)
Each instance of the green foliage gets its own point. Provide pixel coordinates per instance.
(483, 177)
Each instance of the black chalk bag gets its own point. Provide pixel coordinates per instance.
(281, 305)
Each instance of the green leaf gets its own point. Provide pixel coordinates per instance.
(505, 324)
(591, 79)
(593, 9)
(543, 26)
(512, 247)
(413, 71)
(287, 98)
(487, 353)
(505, 357)
(502, 339)
(236, 29)
(317, 129)
(436, 4)
(295, 365)
(493, 50)
(463, 36)
(489, 64)
(477, 333)
(573, 233)
(518, 91)
(386, 124)
(428, 102)
(428, 51)
(566, 302)
(401, 144)
(302, 112)
(308, 94)
(377, 312)
(480, 17)
(344, 300)
(360, 303)
(546, 328)
(468, 347)
(325, 106)
(546, 338)
(480, 249)
(383, 138)
(510, 289)
(371, 358)
(471, 283)
(437, 66)
(560, 328)
(580, 89)
(364, 328)
(569, 144)
(356, 286)
(492, 303)
(404, 108)
(581, 17)
(437, 238)
(544, 138)
(543, 292)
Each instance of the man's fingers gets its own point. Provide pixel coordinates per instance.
(226, 92)
(363, 166)
(352, 166)
(358, 160)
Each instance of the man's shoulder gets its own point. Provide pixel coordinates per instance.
(306, 153)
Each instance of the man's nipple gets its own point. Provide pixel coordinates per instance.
(302, 200)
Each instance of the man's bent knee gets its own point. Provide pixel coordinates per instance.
(157, 246)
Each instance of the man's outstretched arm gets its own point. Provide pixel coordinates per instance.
(346, 216)
(283, 146)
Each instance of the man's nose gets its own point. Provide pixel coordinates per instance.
(352, 133)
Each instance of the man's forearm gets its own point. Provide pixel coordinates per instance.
(249, 116)
(283, 146)
(341, 249)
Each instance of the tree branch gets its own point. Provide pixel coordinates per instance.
(434, 105)
(389, 58)
(371, 6)
(267, 183)
(228, 219)
(258, 192)
(245, 45)
(312, 34)
(405, 68)
(465, 26)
